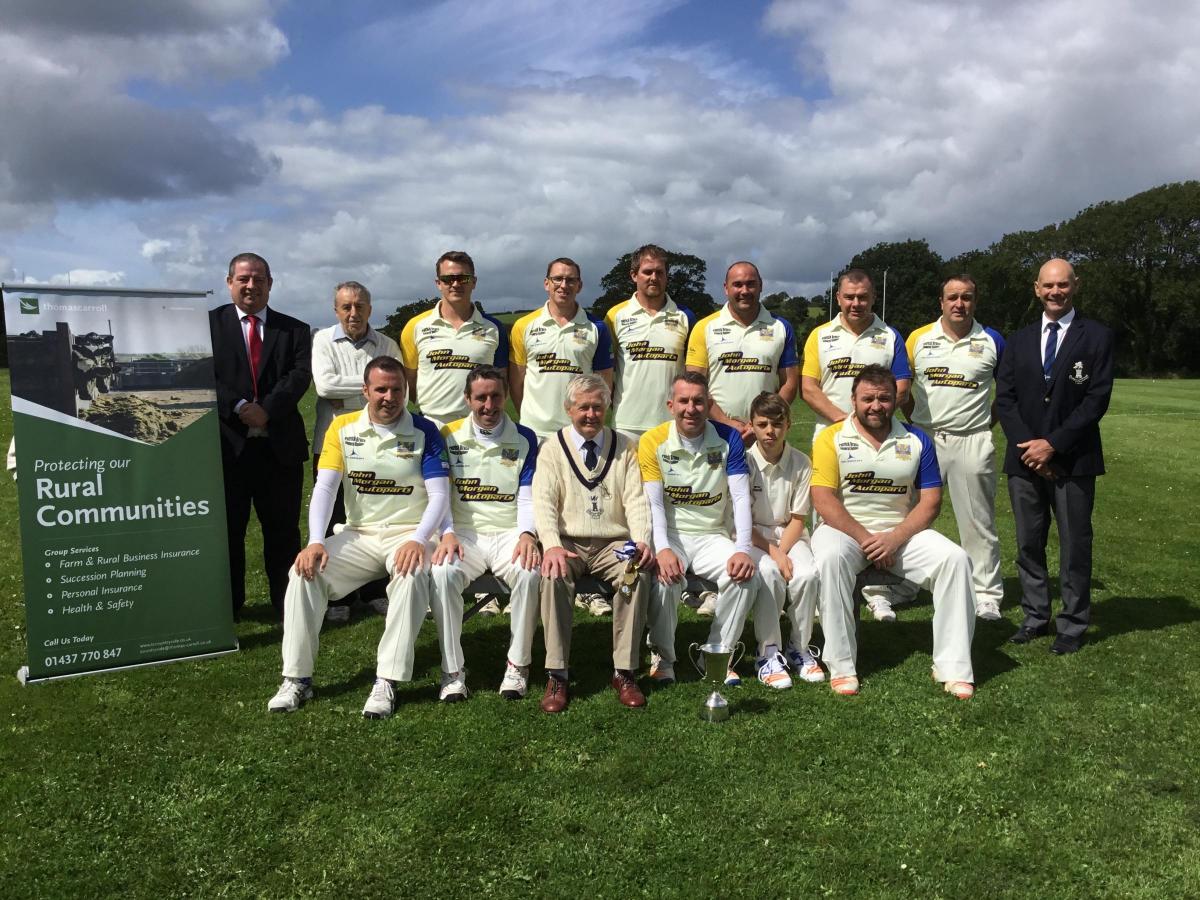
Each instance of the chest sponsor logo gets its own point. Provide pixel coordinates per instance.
(737, 361)
(941, 376)
(472, 490)
(867, 483)
(847, 445)
(448, 359)
(683, 495)
(643, 351)
(552, 362)
(844, 367)
(353, 440)
(366, 482)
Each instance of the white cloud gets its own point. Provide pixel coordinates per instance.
(956, 122)
(89, 277)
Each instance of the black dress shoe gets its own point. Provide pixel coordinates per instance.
(1025, 634)
(1064, 645)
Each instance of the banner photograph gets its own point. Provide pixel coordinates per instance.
(118, 476)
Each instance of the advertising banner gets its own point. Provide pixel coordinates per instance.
(118, 477)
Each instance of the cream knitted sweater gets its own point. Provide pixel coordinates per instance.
(563, 506)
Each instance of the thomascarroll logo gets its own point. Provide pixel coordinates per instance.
(29, 306)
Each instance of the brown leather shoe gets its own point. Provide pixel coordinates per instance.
(627, 690)
(556, 698)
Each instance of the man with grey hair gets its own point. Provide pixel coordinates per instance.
(592, 518)
(340, 353)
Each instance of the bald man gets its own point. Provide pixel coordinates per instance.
(1052, 388)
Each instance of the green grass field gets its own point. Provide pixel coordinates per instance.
(1064, 777)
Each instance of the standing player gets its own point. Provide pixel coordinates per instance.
(779, 491)
(876, 486)
(954, 364)
(339, 355)
(744, 350)
(391, 466)
(441, 345)
(834, 354)
(491, 526)
(649, 334)
(552, 345)
(697, 481)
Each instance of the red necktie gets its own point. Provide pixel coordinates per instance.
(254, 343)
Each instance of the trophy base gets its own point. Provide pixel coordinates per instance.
(715, 709)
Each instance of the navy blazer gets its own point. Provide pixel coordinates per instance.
(285, 372)
(1065, 410)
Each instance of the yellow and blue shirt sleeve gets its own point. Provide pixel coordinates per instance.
(603, 357)
(500, 360)
(648, 451)
(408, 342)
(812, 355)
(826, 472)
(928, 473)
(434, 462)
(525, 478)
(697, 345)
(735, 460)
(788, 358)
(331, 449)
(900, 367)
(998, 340)
(517, 338)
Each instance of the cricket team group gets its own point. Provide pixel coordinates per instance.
(694, 478)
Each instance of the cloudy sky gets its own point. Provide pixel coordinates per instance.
(145, 143)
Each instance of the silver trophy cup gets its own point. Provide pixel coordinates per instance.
(716, 661)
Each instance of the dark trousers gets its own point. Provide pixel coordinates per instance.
(256, 478)
(372, 588)
(1070, 500)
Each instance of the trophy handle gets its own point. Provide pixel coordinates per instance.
(694, 657)
(740, 649)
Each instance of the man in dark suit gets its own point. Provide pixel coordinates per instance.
(1052, 387)
(261, 358)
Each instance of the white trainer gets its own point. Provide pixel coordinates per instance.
(515, 683)
(661, 671)
(454, 687)
(292, 695)
(337, 615)
(804, 663)
(881, 609)
(708, 604)
(772, 671)
(491, 608)
(598, 605)
(382, 701)
(988, 610)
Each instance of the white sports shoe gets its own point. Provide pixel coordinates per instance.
(382, 701)
(292, 695)
(491, 608)
(805, 664)
(336, 615)
(708, 604)
(881, 609)
(988, 610)
(515, 683)
(661, 671)
(598, 605)
(454, 687)
(772, 671)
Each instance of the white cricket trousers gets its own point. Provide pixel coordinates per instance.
(928, 559)
(968, 464)
(800, 595)
(357, 556)
(480, 553)
(705, 555)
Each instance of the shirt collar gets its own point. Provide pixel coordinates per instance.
(876, 324)
(761, 458)
(505, 433)
(578, 439)
(580, 317)
(1063, 321)
(261, 315)
(339, 334)
(710, 437)
(939, 330)
(403, 425)
(851, 424)
(727, 316)
(475, 314)
(668, 307)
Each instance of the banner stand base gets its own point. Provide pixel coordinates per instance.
(23, 672)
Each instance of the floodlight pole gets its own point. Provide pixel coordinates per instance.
(884, 313)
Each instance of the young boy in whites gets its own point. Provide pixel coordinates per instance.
(697, 481)
(391, 466)
(779, 491)
(490, 526)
